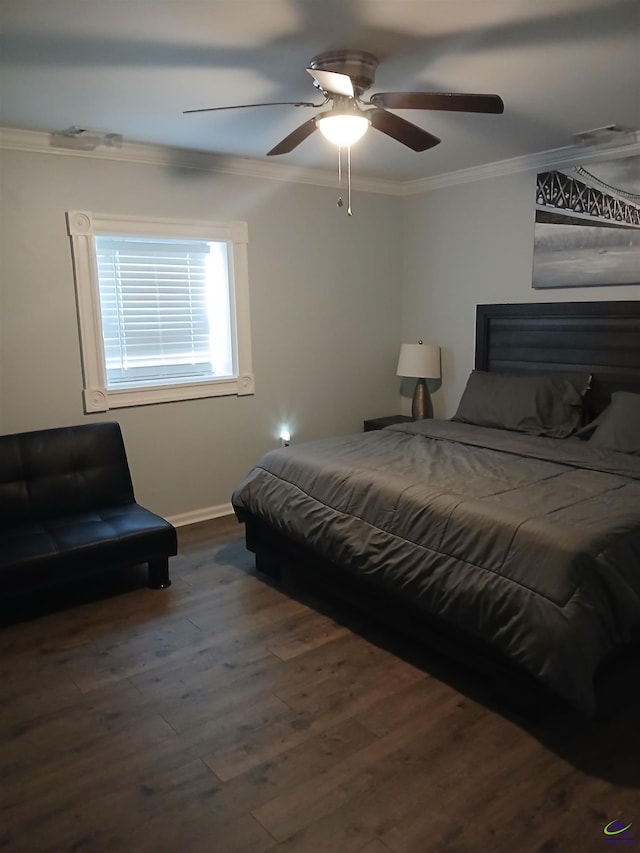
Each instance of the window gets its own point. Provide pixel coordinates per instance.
(163, 309)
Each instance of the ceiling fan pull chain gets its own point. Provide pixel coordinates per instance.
(340, 202)
(349, 211)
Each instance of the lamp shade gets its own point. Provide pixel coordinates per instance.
(419, 360)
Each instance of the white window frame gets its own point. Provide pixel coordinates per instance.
(82, 227)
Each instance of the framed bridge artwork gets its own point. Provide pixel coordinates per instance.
(587, 227)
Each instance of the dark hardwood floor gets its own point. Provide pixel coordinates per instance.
(222, 715)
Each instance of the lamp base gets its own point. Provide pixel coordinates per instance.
(421, 405)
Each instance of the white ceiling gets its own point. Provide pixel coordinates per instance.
(132, 66)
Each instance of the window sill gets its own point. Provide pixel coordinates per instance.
(101, 399)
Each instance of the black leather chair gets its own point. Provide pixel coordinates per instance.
(67, 510)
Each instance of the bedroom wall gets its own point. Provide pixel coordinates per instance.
(325, 312)
(465, 245)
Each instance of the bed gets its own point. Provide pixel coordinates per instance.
(515, 552)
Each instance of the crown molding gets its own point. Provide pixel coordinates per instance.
(571, 155)
(159, 155)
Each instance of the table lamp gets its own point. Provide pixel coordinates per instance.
(421, 361)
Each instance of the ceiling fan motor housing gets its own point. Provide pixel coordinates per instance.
(358, 65)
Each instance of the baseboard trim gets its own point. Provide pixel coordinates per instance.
(196, 515)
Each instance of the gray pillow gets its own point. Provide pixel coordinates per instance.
(618, 427)
(537, 405)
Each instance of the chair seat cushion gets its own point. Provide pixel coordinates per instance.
(44, 552)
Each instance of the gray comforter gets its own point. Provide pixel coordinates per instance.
(532, 544)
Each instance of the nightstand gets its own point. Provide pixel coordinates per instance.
(380, 423)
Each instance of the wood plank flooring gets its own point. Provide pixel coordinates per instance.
(223, 715)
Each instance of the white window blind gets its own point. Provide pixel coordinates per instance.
(165, 310)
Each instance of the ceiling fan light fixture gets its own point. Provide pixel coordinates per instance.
(343, 129)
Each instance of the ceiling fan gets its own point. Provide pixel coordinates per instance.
(343, 76)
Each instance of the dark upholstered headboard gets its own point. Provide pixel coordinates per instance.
(600, 338)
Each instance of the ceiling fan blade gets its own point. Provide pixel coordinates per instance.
(331, 81)
(398, 128)
(294, 139)
(438, 101)
(246, 106)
